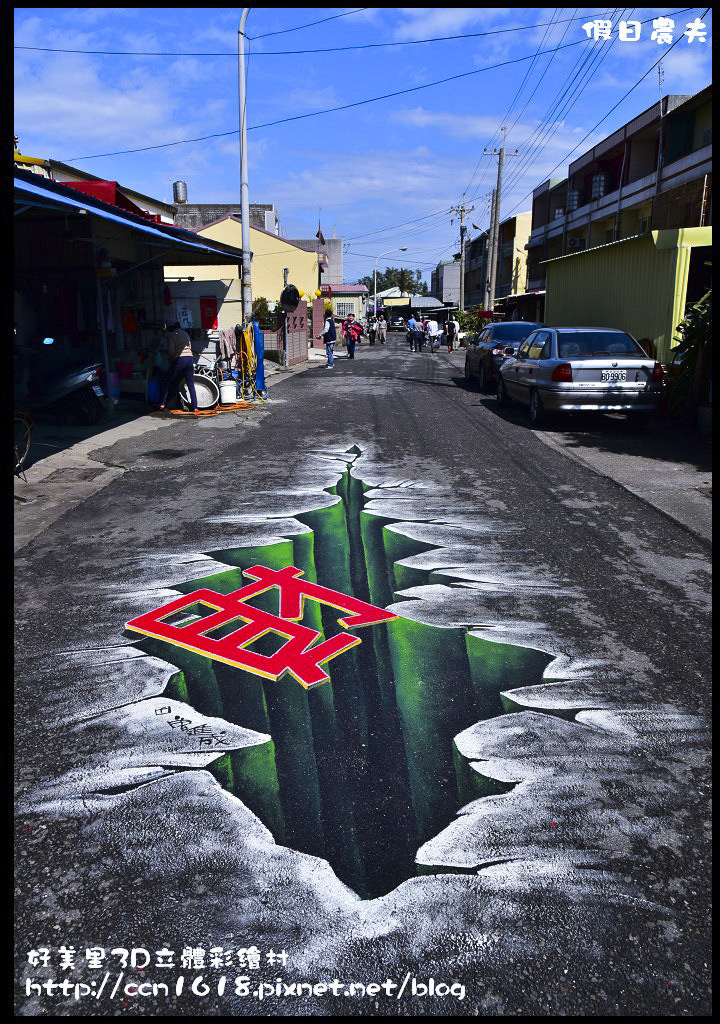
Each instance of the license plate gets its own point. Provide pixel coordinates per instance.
(612, 375)
(98, 390)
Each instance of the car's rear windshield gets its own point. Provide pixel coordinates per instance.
(512, 332)
(592, 344)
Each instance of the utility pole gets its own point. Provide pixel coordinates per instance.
(286, 274)
(495, 227)
(245, 285)
(658, 171)
(462, 210)
(488, 251)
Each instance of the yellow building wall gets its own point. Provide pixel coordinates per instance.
(340, 305)
(271, 254)
(638, 286)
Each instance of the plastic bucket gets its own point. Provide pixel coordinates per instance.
(228, 392)
(112, 380)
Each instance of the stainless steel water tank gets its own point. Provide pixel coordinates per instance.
(179, 192)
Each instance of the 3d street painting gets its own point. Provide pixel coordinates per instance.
(392, 780)
(365, 769)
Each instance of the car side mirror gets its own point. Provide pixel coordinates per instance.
(509, 351)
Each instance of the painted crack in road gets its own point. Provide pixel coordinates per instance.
(331, 777)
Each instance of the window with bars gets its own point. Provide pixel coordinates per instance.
(344, 308)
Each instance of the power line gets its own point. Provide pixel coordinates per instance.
(329, 110)
(585, 76)
(324, 49)
(390, 227)
(595, 54)
(309, 24)
(507, 112)
(528, 147)
(613, 108)
(550, 121)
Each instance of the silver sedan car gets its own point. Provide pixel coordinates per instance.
(578, 369)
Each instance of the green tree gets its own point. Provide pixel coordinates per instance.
(405, 281)
(693, 356)
(408, 281)
(260, 310)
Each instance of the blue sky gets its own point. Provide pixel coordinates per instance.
(404, 160)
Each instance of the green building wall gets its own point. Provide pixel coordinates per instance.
(637, 285)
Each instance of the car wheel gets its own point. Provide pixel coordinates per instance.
(537, 409)
(468, 375)
(482, 378)
(502, 396)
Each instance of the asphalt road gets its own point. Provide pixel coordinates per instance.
(575, 882)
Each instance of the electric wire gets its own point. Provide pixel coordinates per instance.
(612, 109)
(324, 49)
(309, 24)
(548, 118)
(578, 85)
(329, 110)
(584, 68)
(507, 112)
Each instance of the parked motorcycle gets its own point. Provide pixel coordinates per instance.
(74, 391)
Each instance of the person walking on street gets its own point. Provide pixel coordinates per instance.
(418, 337)
(381, 328)
(433, 332)
(329, 335)
(182, 364)
(353, 331)
(411, 331)
(452, 329)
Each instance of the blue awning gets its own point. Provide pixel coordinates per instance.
(28, 194)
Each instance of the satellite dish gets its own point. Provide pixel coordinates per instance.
(289, 298)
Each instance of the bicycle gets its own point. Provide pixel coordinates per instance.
(22, 435)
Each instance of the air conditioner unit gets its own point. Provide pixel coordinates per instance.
(574, 243)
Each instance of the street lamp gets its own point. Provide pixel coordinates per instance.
(402, 248)
(245, 290)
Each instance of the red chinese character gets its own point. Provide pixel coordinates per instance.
(297, 655)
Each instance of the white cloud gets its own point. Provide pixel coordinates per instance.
(423, 22)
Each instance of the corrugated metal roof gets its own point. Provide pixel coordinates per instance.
(637, 284)
(52, 195)
(343, 289)
(605, 245)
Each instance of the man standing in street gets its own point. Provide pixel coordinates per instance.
(452, 329)
(381, 328)
(182, 364)
(329, 335)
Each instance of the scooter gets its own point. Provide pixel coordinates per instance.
(76, 391)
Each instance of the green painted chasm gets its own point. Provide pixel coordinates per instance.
(361, 770)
